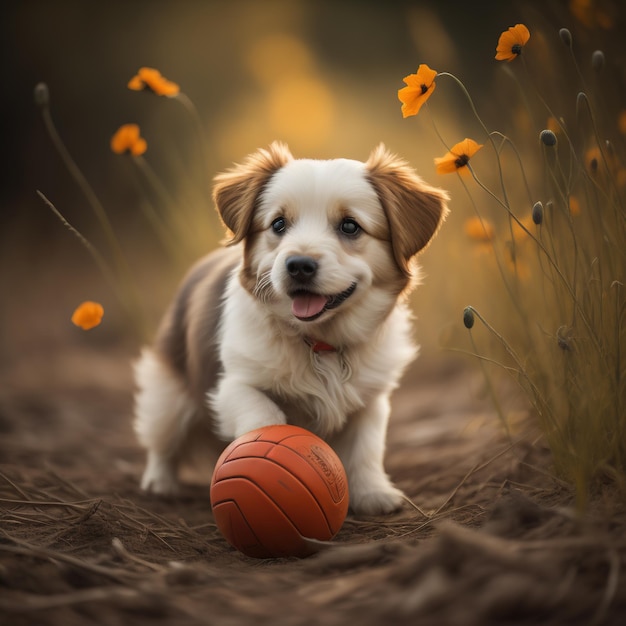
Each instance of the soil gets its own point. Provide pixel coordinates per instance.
(490, 535)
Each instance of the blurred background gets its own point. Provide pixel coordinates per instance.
(320, 75)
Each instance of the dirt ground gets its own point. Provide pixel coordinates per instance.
(491, 536)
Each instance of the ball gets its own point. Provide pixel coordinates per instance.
(275, 487)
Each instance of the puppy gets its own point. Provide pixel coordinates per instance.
(301, 319)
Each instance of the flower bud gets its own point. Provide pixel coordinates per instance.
(468, 317)
(538, 213)
(563, 338)
(609, 148)
(548, 138)
(566, 37)
(41, 94)
(597, 60)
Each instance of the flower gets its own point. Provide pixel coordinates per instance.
(87, 315)
(511, 42)
(593, 158)
(151, 79)
(590, 14)
(419, 88)
(128, 139)
(458, 157)
(621, 122)
(554, 125)
(573, 205)
(479, 229)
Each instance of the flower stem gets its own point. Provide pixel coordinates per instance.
(102, 265)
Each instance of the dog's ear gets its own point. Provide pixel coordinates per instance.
(414, 209)
(236, 191)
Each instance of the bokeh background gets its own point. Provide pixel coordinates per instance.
(320, 75)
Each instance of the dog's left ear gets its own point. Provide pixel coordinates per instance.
(414, 209)
(237, 190)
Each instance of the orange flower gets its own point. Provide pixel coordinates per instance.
(419, 88)
(88, 315)
(621, 122)
(574, 206)
(511, 42)
(128, 139)
(479, 229)
(458, 157)
(593, 160)
(590, 14)
(554, 125)
(151, 79)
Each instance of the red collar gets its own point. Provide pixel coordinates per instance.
(319, 346)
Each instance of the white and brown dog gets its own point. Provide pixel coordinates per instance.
(301, 319)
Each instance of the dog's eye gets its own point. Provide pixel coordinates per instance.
(349, 227)
(279, 225)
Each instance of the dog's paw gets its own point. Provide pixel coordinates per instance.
(160, 478)
(377, 502)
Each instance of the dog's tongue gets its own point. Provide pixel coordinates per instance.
(307, 305)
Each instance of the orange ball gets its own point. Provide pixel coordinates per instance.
(275, 486)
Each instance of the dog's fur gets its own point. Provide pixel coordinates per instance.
(234, 353)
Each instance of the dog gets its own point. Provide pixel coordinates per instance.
(302, 318)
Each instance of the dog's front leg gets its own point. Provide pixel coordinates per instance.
(361, 447)
(240, 408)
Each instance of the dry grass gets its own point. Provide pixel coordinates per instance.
(489, 537)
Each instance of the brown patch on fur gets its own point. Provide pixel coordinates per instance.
(237, 190)
(248, 274)
(415, 210)
(186, 339)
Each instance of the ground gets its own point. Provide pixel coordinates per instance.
(491, 535)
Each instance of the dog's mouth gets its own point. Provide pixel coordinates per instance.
(308, 306)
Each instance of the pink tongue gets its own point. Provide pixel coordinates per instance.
(308, 305)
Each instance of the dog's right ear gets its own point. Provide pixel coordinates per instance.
(237, 190)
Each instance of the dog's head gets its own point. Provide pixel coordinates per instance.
(325, 237)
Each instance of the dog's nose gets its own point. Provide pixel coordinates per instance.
(301, 268)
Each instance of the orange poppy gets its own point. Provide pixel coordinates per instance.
(554, 125)
(128, 140)
(479, 229)
(593, 160)
(152, 80)
(590, 14)
(458, 157)
(574, 206)
(511, 42)
(87, 315)
(621, 122)
(419, 88)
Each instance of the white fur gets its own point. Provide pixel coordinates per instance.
(163, 411)
(270, 375)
